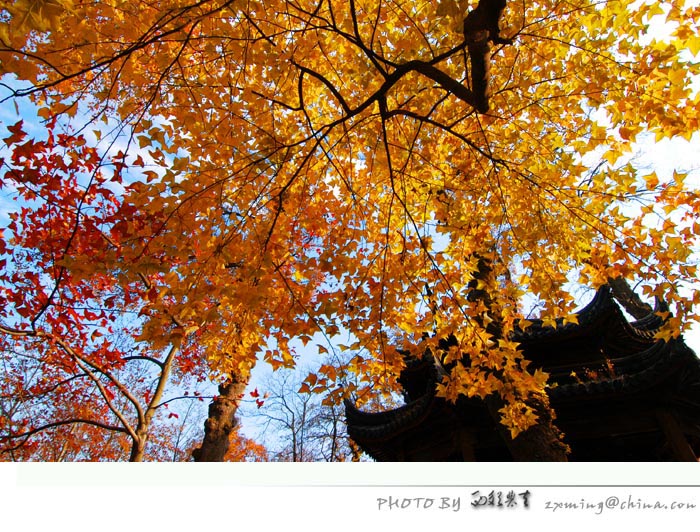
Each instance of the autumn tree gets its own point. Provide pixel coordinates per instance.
(303, 169)
(76, 382)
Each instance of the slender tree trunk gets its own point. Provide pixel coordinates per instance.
(221, 422)
(138, 449)
(334, 434)
(294, 439)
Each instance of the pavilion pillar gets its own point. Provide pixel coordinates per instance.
(682, 450)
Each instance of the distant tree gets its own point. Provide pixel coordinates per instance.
(297, 425)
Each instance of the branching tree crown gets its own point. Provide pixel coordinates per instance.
(302, 167)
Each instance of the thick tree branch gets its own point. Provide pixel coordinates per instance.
(629, 299)
(481, 26)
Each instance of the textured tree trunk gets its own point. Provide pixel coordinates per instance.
(543, 442)
(220, 423)
(632, 303)
(540, 443)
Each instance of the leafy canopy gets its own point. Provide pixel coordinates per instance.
(305, 167)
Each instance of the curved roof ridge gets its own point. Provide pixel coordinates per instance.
(379, 424)
(601, 306)
(659, 358)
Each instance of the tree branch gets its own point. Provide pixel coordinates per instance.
(54, 424)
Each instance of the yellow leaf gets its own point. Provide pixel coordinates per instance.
(571, 318)
(651, 180)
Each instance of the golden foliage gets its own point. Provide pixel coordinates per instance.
(302, 167)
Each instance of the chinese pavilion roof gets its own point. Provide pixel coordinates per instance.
(618, 393)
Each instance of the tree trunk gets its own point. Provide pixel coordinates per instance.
(543, 442)
(220, 423)
(540, 443)
(632, 303)
(138, 449)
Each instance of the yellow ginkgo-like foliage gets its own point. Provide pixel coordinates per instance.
(319, 167)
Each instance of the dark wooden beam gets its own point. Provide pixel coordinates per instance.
(672, 429)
